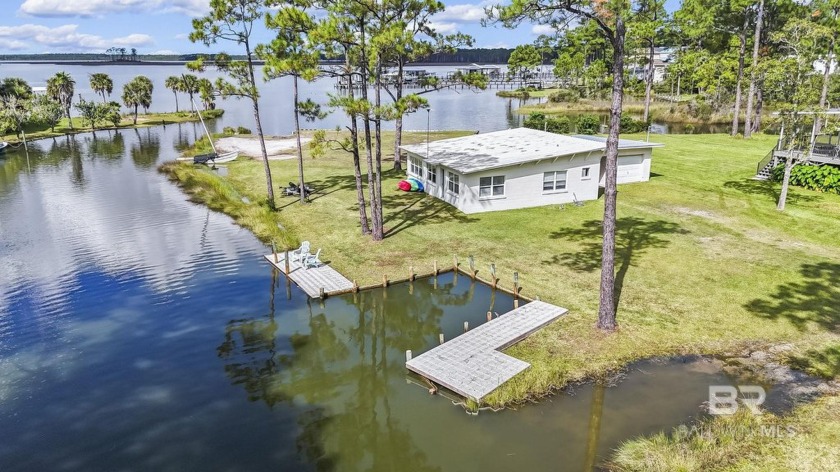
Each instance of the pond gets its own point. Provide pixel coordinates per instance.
(139, 331)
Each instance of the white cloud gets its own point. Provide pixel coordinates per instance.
(444, 27)
(66, 37)
(182, 36)
(12, 44)
(164, 52)
(90, 8)
(544, 29)
(465, 13)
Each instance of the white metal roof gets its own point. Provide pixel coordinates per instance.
(485, 151)
(622, 143)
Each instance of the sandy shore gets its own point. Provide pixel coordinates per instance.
(276, 147)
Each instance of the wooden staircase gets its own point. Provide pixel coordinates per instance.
(764, 169)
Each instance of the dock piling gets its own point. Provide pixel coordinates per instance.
(440, 338)
(287, 261)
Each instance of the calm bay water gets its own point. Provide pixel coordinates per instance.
(451, 109)
(139, 331)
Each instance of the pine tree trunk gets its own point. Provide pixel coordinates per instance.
(255, 101)
(357, 171)
(398, 125)
(757, 43)
(649, 81)
(366, 124)
(607, 303)
(301, 183)
(378, 230)
(742, 51)
(759, 105)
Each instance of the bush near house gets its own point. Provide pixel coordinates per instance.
(820, 178)
(588, 124)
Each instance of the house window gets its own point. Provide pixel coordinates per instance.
(491, 186)
(415, 168)
(584, 173)
(554, 181)
(431, 174)
(452, 183)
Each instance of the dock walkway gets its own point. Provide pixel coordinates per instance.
(471, 364)
(314, 279)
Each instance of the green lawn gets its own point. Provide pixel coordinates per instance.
(705, 262)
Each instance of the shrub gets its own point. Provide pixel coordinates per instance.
(564, 95)
(630, 125)
(242, 130)
(229, 130)
(558, 125)
(701, 110)
(553, 125)
(820, 178)
(535, 121)
(588, 124)
(689, 128)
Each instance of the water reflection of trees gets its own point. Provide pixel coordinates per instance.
(108, 146)
(345, 360)
(146, 150)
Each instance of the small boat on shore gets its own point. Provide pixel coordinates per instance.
(3, 146)
(216, 158)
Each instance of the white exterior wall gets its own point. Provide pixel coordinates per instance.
(523, 184)
(633, 166)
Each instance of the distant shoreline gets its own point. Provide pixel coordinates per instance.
(179, 62)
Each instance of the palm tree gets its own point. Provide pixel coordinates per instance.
(138, 93)
(60, 87)
(175, 84)
(101, 83)
(190, 86)
(15, 87)
(207, 93)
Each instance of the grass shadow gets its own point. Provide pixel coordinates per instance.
(823, 363)
(406, 211)
(813, 300)
(633, 236)
(766, 189)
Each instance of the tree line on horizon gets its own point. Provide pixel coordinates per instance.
(459, 55)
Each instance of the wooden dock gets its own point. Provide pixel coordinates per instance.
(471, 364)
(315, 281)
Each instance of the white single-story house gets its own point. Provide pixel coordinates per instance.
(520, 168)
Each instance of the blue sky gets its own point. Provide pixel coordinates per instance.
(161, 26)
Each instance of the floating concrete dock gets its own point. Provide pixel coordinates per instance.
(315, 281)
(471, 364)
